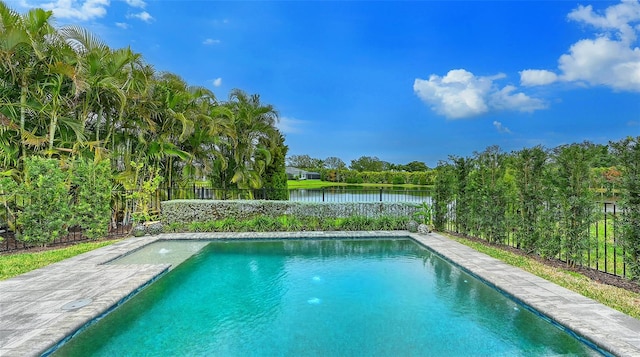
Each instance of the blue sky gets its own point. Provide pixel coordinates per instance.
(400, 80)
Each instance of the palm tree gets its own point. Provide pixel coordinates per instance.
(24, 54)
(103, 69)
(211, 124)
(252, 122)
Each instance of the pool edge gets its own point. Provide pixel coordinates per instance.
(576, 313)
(609, 329)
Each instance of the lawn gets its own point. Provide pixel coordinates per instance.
(15, 264)
(620, 299)
(312, 184)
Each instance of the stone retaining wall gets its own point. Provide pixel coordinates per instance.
(181, 211)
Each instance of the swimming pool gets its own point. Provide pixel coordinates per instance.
(321, 297)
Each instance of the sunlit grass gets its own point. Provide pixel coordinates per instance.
(311, 184)
(15, 264)
(617, 298)
(604, 253)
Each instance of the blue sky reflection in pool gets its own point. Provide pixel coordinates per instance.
(321, 298)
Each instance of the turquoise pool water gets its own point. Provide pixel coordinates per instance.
(321, 298)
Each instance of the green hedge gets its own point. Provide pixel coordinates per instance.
(184, 211)
(290, 224)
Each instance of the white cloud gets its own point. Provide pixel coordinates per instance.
(122, 25)
(76, 9)
(501, 128)
(616, 19)
(144, 16)
(537, 77)
(290, 125)
(210, 41)
(136, 3)
(506, 99)
(610, 58)
(461, 94)
(217, 82)
(602, 62)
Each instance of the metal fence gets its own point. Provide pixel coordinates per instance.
(604, 250)
(122, 208)
(327, 194)
(605, 253)
(126, 203)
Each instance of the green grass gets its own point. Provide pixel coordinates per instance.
(617, 298)
(310, 184)
(602, 243)
(620, 299)
(15, 264)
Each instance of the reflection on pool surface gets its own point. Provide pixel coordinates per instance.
(171, 252)
(321, 298)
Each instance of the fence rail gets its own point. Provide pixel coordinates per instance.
(10, 243)
(328, 194)
(605, 253)
(124, 206)
(119, 226)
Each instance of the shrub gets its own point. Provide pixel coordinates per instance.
(628, 153)
(92, 208)
(358, 223)
(262, 224)
(8, 189)
(205, 210)
(46, 202)
(290, 223)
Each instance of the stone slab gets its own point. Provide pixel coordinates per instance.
(32, 320)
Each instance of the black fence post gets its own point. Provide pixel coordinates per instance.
(605, 237)
(615, 264)
(380, 194)
(323, 194)
(597, 246)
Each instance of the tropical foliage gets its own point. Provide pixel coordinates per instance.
(91, 195)
(45, 201)
(544, 201)
(628, 153)
(66, 95)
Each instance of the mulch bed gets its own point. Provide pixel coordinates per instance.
(593, 274)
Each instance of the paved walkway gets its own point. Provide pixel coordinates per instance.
(39, 309)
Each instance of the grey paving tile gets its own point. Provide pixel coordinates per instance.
(32, 302)
(606, 327)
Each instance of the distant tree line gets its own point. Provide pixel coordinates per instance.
(365, 169)
(361, 164)
(546, 198)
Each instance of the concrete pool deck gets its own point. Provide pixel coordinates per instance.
(40, 308)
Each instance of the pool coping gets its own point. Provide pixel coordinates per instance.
(32, 321)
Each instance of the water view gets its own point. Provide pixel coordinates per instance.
(360, 194)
